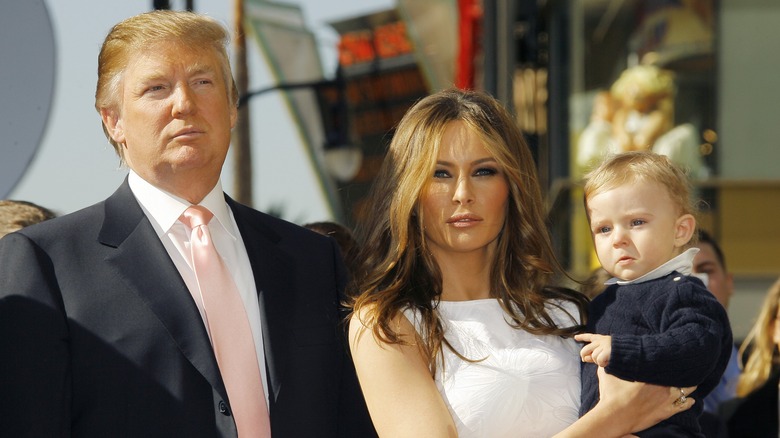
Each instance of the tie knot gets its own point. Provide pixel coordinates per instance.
(196, 216)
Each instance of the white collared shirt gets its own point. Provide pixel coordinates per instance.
(164, 209)
(683, 264)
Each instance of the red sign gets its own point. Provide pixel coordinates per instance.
(385, 41)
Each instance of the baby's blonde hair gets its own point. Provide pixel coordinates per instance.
(642, 166)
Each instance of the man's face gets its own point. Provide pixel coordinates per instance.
(174, 117)
(719, 282)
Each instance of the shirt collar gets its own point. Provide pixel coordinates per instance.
(683, 264)
(166, 208)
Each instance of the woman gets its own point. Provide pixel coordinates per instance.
(455, 331)
(755, 414)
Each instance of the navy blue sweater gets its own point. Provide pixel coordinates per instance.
(670, 331)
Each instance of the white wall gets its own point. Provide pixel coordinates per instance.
(749, 89)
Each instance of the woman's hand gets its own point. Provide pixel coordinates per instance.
(626, 407)
(639, 404)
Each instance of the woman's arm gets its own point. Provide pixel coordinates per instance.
(401, 395)
(627, 407)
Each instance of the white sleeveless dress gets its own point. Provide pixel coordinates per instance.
(526, 386)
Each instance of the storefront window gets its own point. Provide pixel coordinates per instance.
(643, 77)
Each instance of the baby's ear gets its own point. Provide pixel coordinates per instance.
(684, 228)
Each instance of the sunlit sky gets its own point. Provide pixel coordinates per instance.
(75, 166)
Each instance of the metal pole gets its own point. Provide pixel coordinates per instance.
(498, 48)
(489, 70)
(560, 68)
(242, 150)
(161, 4)
(505, 51)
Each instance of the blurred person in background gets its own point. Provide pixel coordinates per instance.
(709, 265)
(755, 413)
(15, 215)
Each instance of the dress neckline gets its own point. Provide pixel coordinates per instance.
(464, 302)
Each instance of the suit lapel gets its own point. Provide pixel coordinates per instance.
(145, 267)
(272, 275)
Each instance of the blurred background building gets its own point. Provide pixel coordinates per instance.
(551, 61)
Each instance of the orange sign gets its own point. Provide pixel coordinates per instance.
(385, 41)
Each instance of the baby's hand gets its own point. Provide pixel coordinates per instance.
(597, 350)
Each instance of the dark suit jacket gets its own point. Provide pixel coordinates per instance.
(99, 336)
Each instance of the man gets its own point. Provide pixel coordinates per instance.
(108, 325)
(710, 265)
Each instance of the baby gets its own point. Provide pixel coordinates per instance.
(654, 323)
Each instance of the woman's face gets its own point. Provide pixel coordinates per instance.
(464, 202)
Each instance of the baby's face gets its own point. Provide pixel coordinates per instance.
(635, 228)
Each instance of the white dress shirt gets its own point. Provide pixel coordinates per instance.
(164, 209)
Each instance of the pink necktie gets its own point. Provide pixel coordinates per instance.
(228, 325)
